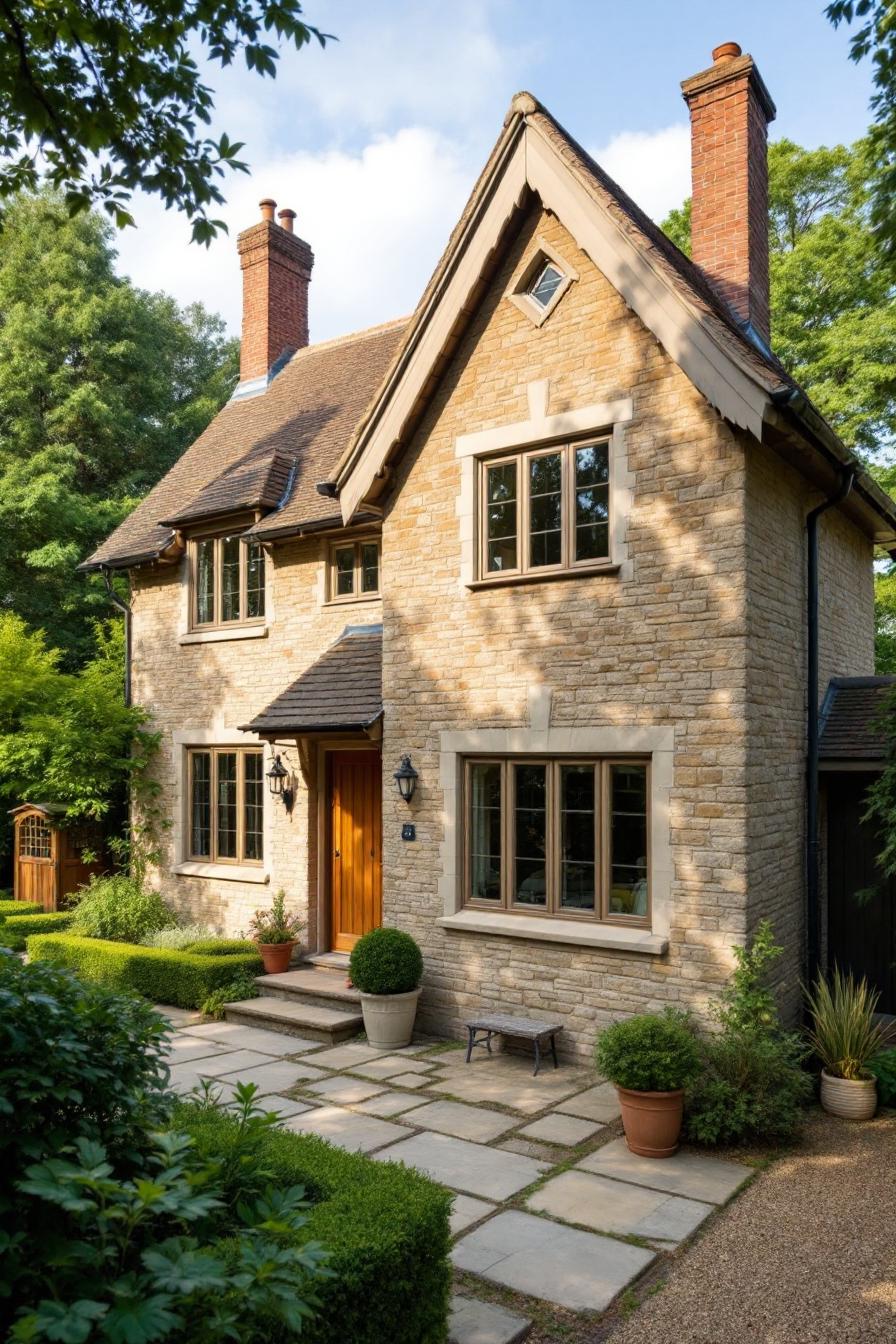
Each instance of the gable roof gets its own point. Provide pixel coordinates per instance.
(292, 435)
(851, 727)
(536, 157)
(342, 691)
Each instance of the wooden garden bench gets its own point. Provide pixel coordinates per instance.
(522, 1027)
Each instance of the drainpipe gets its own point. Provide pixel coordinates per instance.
(125, 610)
(813, 903)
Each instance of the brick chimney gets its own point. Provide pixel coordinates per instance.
(730, 110)
(276, 266)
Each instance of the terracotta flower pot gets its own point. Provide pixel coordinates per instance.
(850, 1098)
(276, 956)
(652, 1121)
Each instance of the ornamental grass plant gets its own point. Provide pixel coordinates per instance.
(843, 1032)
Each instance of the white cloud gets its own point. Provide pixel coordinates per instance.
(377, 221)
(654, 167)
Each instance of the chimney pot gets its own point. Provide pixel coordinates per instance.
(286, 218)
(728, 51)
(267, 208)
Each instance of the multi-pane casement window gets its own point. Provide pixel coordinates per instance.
(226, 804)
(227, 582)
(558, 837)
(354, 569)
(545, 510)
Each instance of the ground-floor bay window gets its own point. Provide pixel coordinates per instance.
(560, 837)
(225, 804)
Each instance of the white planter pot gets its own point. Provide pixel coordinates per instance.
(389, 1018)
(851, 1099)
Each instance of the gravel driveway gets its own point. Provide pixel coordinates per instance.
(806, 1255)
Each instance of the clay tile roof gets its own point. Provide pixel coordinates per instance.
(851, 726)
(259, 481)
(307, 415)
(342, 691)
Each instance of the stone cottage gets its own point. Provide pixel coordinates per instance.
(541, 551)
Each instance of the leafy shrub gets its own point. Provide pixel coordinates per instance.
(184, 979)
(652, 1052)
(15, 908)
(751, 1087)
(178, 938)
(843, 1032)
(385, 1226)
(277, 925)
(883, 1066)
(222, 947)
(152, 1250)
(233, 992)
(386, 961)
(119, 908)
(14, 932)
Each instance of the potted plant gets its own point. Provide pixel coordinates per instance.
(651, 1059)
(276, 933)
(846, 1038)
(386, 967)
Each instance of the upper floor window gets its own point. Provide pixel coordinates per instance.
(546, 509)
(354, 569)
(545, 283)
(226, 804)
(558, 837)
(540, 283)
(227, 581)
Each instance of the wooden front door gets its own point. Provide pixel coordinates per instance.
(356, 879)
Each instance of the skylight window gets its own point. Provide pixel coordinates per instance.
(545, 284)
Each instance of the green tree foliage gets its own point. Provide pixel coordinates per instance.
(876, 37)
(108, 97)
(102, 386)
(66, 738)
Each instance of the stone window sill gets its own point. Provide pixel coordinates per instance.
(228, 872)
(351, 600)
(572, 932)
(551, 576)
(214, 636)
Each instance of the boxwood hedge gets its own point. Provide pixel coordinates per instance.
(15, 929)
(385, 1226)
(221, 947)
(184, 979)
(8, 908)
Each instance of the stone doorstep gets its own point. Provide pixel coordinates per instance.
(474, 1322)
(296, 1018)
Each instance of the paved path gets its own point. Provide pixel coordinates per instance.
(549, 1202)
(807, 1255)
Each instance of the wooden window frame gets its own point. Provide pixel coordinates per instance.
(218, 623)
(213, 857)
(371, 539)
(568, 563)
(602, 829)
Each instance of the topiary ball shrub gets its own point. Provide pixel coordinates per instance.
(654, 1052)
(386, 961)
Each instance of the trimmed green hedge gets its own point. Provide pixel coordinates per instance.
(386, 1227)
(8, 908)
(222, 947)
(13, 932)
(184, 979)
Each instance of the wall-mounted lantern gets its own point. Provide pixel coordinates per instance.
(406, 778)
(278, 778)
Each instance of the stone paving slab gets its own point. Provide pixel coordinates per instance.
(277, 1075)
(466, 1210)
(514, 1088)
(346, 1129)
(473, 1322)
(565, 1130)
(237, 1037)
(598, 1103)
(346, 1056)
(542, 1152)
(389, 1103)
(230, 1061)
(410, 1080)
(464, 1122)
(710, 1179)
(581, 1271)
(614, 1206)
(389, 1065)
(465, 1166)
(347, 1090)
(184, 1077)
(178, 1017)
(182, 1049)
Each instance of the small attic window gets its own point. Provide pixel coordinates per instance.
(540, 283)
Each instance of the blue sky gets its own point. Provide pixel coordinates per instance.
(376, 141)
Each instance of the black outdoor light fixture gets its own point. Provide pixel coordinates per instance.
(278, 777)
(406, 779)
